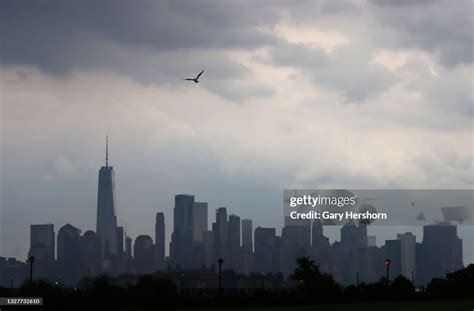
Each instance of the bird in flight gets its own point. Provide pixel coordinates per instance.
(197, 77)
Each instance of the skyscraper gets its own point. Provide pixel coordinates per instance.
(106, 220)
(144, 254)
(160, 240)
(233, 243)
(440, 239)
(182, 237)
(69, 254)
(247, 246)
(199, 220)
(407, 254)
(220, 233)
(42, 246)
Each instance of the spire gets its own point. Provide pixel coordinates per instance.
(107, 151)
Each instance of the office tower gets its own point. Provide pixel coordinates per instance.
(91, 254)
(393, 251)
(143, 251)
(106, 220)
(160, 241)
(69, 254)
(441, 251)
(182, 237)
(247, 243)
(220, 233)
(42, 247)
(128, 247)
(265, 250)
(353, 236)
(247, 246)
(208, 245)
(296, 242)
(120, 236)
(199, 220)
(233, 243)
(407, 254)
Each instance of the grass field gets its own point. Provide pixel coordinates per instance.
(465, 305)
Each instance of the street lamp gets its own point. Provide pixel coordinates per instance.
(262, 275)
(220, 261)
(31, 259)
(182, 282)
(387, 263)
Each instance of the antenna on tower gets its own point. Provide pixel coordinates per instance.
(107, 151)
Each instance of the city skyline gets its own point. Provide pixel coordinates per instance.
(314, 94)
(106, 189)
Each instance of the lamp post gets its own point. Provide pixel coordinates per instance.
(220, 261)
(262, 275)
(31, 259)
(387, 263)
(182, 282)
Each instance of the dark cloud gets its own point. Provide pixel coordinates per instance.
(442, 28)
(152, 42)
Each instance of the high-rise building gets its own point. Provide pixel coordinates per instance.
(265, 250)
(143, 251)
(442, 240)
(42, 247)
(106, 220)
(233, 243)
(120, 235)
(160, 241)
(220, 233)
(128, 247)
(407, 254)
(182, 237)
(91, 254)
(247, 246)
(393, 251)
(247, 243)
(296, 242)
(199, 220)
(69, 254)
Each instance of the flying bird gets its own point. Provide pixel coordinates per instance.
(197, 77)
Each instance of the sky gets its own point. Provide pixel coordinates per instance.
(295, 94)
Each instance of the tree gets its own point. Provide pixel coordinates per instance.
(312, 280)
(401, 287)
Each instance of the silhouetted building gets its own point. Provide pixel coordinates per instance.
(181, 244)
(199, 220)
(160, 241)
(265, 255)
(233, 243)
(42, 247)
(220, 233)
(91, 254)
(247, 246)
(12, 272)
(69, 255)
(440, 252)
(407, 254)
(120, 236)
(393, 251)
(296, 242)
(144, 257)
(106, 220)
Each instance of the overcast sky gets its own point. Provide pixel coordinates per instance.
(295, 94)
